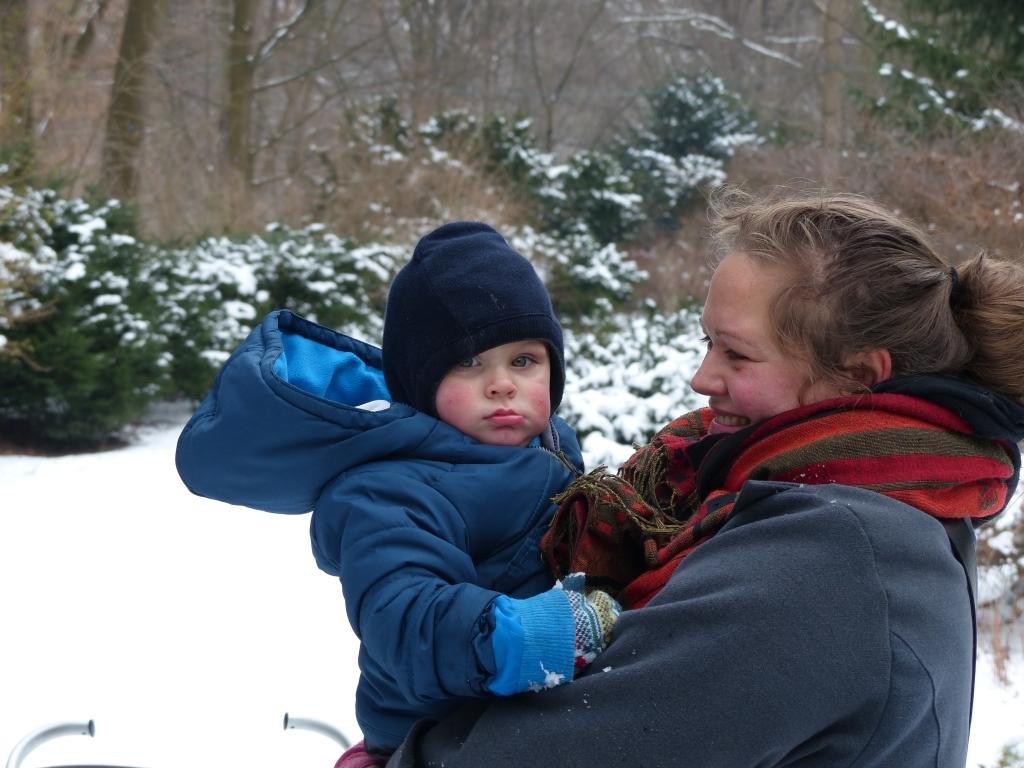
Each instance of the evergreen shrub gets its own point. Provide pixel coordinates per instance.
(218, 289)
(627, 375)
(945, 69)
(117, 323)
(692, 125)
(94, 360)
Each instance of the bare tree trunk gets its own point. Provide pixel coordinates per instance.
(832, 83)
(550, 95)
(126, 114)
(15, 72)
(241, 70)
(423, 18)
(88, 35)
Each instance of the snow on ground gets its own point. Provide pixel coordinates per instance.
(187, 628)
(998, 718)
(184, 627)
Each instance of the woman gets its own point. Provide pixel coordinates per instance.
(797, 599)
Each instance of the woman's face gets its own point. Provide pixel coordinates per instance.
(746, 377)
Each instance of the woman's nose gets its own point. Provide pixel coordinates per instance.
(706, 381)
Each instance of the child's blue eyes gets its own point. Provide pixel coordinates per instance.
(519, 362)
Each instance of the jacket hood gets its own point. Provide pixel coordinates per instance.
(993, 416)
(296, 405)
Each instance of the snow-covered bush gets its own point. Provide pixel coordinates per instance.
(92, 359)
(696, 116)
(509, 151)
(943, 72)
(596, 196)
(594, 201)
(1001, 574)
(581, 275)
(626, 377)
(17, 307)
(214, 292)
(118, 323)
(384, 128)
(693, 124)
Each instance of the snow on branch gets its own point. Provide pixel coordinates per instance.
(268, 45)
(706, 22)
(769, 52)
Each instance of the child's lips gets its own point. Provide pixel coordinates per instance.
(506, 418)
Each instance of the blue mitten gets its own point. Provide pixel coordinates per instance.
(545, 640)
(594, 616)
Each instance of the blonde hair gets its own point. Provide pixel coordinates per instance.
(862, 279)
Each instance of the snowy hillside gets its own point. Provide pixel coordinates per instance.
(187, 628)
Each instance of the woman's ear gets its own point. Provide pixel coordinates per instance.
(872, 367)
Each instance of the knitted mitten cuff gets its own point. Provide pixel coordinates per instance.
(594, 617)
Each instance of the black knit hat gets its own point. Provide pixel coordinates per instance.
(463, 292)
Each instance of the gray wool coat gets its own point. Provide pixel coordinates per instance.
(823, 626)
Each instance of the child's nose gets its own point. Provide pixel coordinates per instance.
(502, 384)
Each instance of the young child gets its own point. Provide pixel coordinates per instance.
(430, 467)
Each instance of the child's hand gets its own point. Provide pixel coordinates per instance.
(594, 616)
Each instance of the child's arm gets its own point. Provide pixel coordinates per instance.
(402, 552)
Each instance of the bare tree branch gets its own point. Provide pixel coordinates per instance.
(88, 34)
(706, 22)
(316, 67)
(266, 48)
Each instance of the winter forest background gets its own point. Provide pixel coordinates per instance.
(172, 170)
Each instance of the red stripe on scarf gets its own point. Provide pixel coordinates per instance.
(648, 520)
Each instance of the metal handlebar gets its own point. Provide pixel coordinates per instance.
(317, 726)
(42, 735)
(52, 731)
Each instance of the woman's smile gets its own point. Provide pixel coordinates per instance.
(725, 422)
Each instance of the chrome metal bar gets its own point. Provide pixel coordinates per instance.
(42, 735)
(317, 726)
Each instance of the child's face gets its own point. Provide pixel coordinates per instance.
(746, 377)
(501, 396)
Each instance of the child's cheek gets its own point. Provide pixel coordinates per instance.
(453, 399)
(540, 398)
(453, 402)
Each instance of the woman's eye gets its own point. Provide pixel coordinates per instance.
(730, 354)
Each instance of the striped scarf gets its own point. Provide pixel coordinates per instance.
(629, 532)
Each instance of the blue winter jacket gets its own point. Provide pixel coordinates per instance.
(425, 526)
